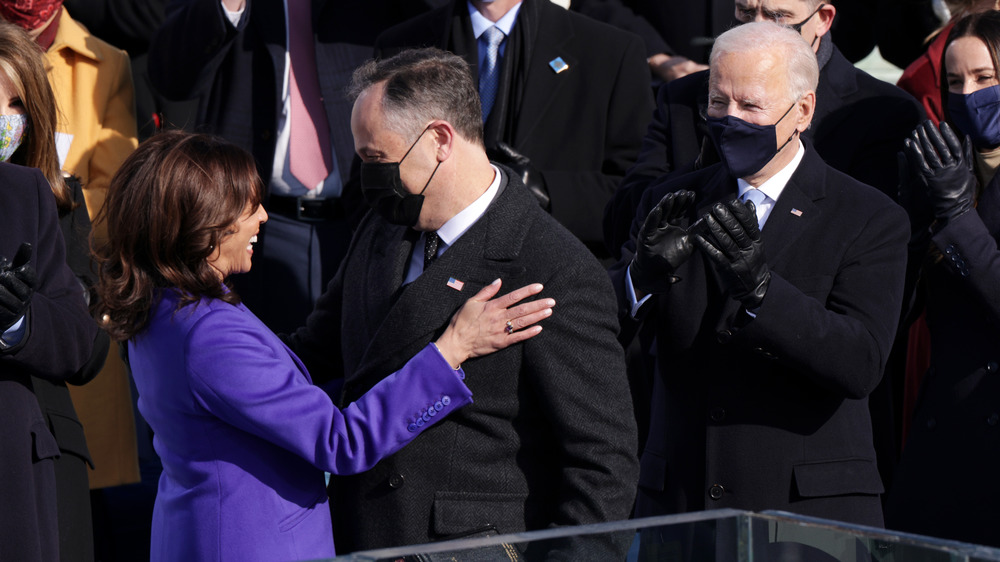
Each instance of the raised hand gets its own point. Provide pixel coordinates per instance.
(483, 326)
(731, 240)
(945, 164)
(662, 246)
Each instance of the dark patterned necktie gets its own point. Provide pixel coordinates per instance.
(430, 248)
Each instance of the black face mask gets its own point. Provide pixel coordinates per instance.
(798, 26)
(383, 189)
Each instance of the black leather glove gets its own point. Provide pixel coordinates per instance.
(912, 196)
(17, 284)
(731, 240)
(521, 165)
(945, 164)
(662, 246)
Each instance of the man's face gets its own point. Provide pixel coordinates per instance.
(789, 12)
(374, 142)
(754, 87)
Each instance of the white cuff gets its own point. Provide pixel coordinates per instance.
(630, 290)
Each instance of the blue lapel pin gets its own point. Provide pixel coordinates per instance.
(558, 65)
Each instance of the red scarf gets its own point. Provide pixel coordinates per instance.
(29, 14)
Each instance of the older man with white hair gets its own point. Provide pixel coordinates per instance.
(774, 286)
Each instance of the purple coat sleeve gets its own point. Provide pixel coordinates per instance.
(242, 374)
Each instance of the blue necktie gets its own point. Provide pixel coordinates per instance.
(759, 198)
(489, 74)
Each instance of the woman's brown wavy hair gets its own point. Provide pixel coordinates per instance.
(170, 204)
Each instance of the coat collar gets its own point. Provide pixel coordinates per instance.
(74, 36)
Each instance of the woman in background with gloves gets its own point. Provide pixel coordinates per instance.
(946, 484)
(27, 137)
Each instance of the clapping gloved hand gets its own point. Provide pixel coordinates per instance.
(731, 240)
(17, 284)
(945, 165)
(521, 165)
(662, 246)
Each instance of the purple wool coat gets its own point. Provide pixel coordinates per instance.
(244, 435)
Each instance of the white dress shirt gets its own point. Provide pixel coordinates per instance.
(454, 228)
(481, 24)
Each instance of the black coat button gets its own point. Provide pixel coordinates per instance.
(716, 491)
(725, 336)
(717, 414)
(396, 481)
(992, 366)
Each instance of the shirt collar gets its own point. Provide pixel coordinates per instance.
(481, 24)
(776, 184)
(458, 224)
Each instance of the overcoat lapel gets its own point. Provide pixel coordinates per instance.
(796, 208)
(422, 309)
(836, 83)
(545, 85)
(268, 13)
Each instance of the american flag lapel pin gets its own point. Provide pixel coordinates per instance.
(455, 283)
(796, 212)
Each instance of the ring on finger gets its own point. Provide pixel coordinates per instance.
(509, 329)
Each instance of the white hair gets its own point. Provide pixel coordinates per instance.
(791, 48)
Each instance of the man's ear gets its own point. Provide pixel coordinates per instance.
(826, 16)
(807, 109)
(444, 136)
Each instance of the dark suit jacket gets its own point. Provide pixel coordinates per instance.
(238, 73)
(772, 413)
(955, 435)
(549, 439)
(582, 127)
(689, 27)
(858, 128)
(76, 535)
(57, 344)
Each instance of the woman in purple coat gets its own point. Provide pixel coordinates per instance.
(243, 434)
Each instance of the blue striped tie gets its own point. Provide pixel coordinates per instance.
(490, 73)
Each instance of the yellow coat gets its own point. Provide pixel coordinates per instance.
(92, 82)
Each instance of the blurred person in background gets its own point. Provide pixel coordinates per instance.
(922, 77)
(95, 132)
(954, 437)
(47, 332)
(28, 122)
